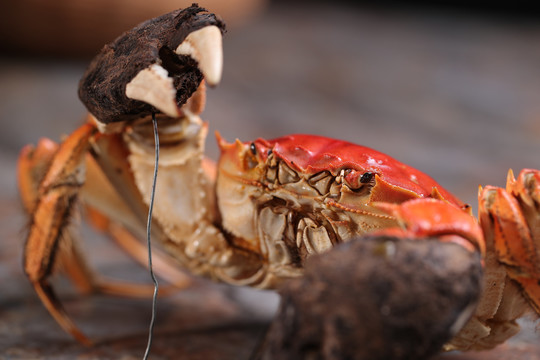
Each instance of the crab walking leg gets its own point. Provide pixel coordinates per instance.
(163, 265)
(516, 225)
(500, 304)
(50, 179)
(108, 212)
(71, 260)
(511, 225)
(57, 194)
(32, 167)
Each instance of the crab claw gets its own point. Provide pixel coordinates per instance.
(156, 86)
(156, 66)
(426, 218)
(205, 46)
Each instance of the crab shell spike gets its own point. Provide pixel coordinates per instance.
(225, 146)
(510, 180)
(221, 142)
(205, 46)
(233, 159)
(427, 217)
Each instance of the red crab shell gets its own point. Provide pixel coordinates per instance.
(311, 154)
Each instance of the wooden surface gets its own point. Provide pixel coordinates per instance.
(454, 95)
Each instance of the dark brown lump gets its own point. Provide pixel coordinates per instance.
(373, 298)
(102, 87)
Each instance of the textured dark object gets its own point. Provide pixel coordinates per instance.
(375, 298)
(102, 89)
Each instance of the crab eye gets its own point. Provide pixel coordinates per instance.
(356, 180)
(366, 177)
(251, 157)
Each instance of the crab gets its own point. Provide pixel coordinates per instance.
(265, 208)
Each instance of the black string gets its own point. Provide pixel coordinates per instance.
(148, 230)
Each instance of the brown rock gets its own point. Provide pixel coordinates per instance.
(376, 298)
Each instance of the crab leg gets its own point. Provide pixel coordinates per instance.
(56, 196)
(510, 222)
(51, 178)
(163, 265)
(513, 216)
(99, 198)
(32, 166)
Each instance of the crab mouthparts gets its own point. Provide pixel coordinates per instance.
(154, 85)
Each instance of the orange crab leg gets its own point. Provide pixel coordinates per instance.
(162, 263)
(512, 217)
(32, 169)
(50, 204)
(56, 196)
(526, 189)
(32, 165)
(512, 238)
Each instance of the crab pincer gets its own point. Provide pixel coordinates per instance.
(156, 66)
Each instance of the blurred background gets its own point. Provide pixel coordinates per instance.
(450, 88)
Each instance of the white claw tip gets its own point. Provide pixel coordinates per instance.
(205, 46)
(154, 86)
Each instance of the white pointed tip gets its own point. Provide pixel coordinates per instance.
(154, 86)
(205, 46)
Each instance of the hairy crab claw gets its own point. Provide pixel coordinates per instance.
(155, 85)
(157, 66)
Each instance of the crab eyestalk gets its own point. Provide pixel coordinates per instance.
(155, 67)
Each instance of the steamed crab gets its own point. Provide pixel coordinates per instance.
(267, 206)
